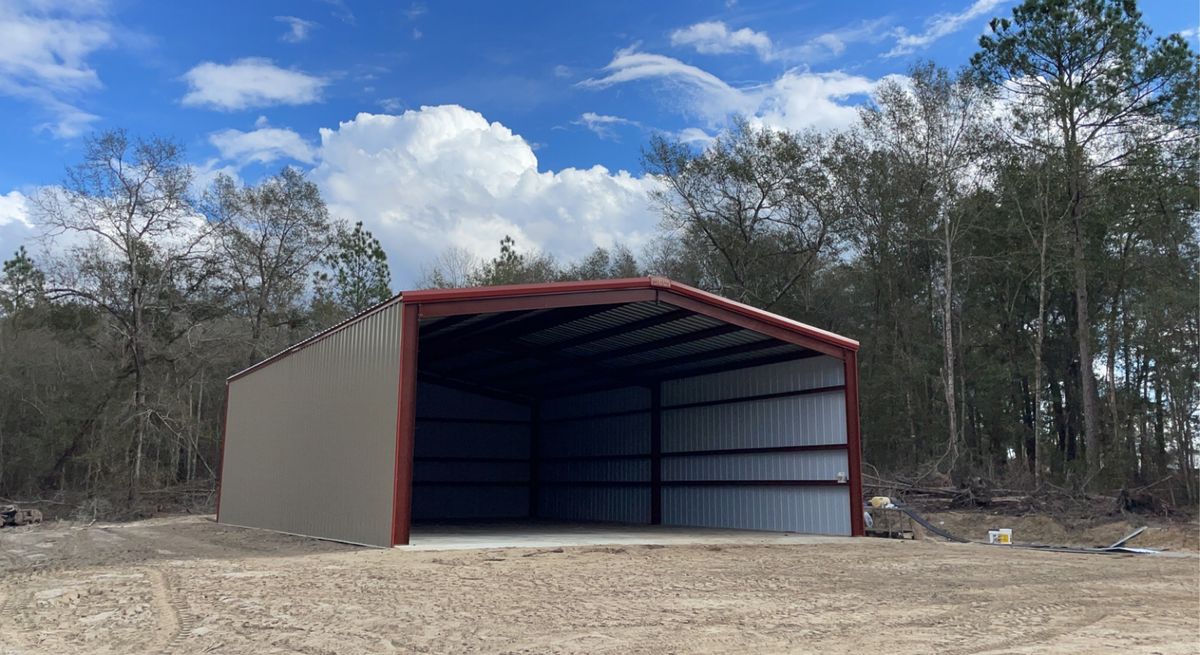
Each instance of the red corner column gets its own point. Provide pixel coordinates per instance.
(406, 423)
(853, 444)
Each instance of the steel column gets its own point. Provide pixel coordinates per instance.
(406, 423)
(656, 454)
(853, 445)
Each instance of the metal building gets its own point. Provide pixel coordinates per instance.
(639, 401)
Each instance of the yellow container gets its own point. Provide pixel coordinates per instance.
(1002, 536)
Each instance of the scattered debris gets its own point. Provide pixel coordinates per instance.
(1117, 547)
(15, 516)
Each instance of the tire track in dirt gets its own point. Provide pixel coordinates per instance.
(174, 623)
(1058, 628)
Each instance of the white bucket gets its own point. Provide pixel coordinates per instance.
(1002, 536)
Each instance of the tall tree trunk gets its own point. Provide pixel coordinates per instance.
(1083, 326)
(948, 376)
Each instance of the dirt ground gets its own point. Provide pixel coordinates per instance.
(1044, 529)
(187, 585)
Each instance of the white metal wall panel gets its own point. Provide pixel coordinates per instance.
(436, 400)
(628, 434)
(588, 434)
(452, 423)
(811, 373)
(815, 465)
(434, 503)
(600, 402)
(598, 470)
(622, 504)
(445, 439)
(814, 510)
(310, 439)
(794, 420)
(791, 421)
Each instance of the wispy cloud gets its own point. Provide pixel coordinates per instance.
(44, 51)
(247, 83)
(340, 11)
(941, 25)
(715, 38)
(796, 99)
(603, 125)
(835, 42)
(298, 29)
(416, 10)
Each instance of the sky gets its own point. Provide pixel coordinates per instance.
(443, 124)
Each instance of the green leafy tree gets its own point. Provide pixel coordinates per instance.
(271, 236)
(1090, 86)
(22, 283)
(358, 275)
(512, 266)
(755, 207)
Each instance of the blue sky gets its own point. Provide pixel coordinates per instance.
(524, 102)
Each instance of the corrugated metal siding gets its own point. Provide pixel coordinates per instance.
(811, 373)
(792, 421)
(818, 465)
(815, 510)
(310, 439)
(592, 404)
(604, 435)
(436, 400)
(574, 426)
(802, 420)
(622, 504)
(462, 438)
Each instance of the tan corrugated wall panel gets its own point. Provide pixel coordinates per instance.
(310, 440)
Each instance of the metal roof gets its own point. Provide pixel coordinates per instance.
(568, 337)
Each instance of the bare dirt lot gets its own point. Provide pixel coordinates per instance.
(187, 585)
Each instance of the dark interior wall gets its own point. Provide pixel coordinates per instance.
(593, 454)
(470, 456)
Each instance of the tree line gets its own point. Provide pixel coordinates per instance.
(1014, 244)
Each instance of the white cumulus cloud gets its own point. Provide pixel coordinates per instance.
(263, 145)
(14, 209)
(16, 225)
(442, 176)
(249, 82)
(715, 38)
(44, 51)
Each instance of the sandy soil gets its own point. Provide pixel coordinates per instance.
(186, 585)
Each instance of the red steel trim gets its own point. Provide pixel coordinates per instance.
(487, 305)
(406, 423)
(427, 296)
(854, 443)
(454, 302)
(224, 440)
(508, 295)
(757, 323)
(761, 315)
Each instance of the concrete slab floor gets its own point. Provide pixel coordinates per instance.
(547, 534)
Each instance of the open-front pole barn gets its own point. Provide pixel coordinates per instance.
(638, 401)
